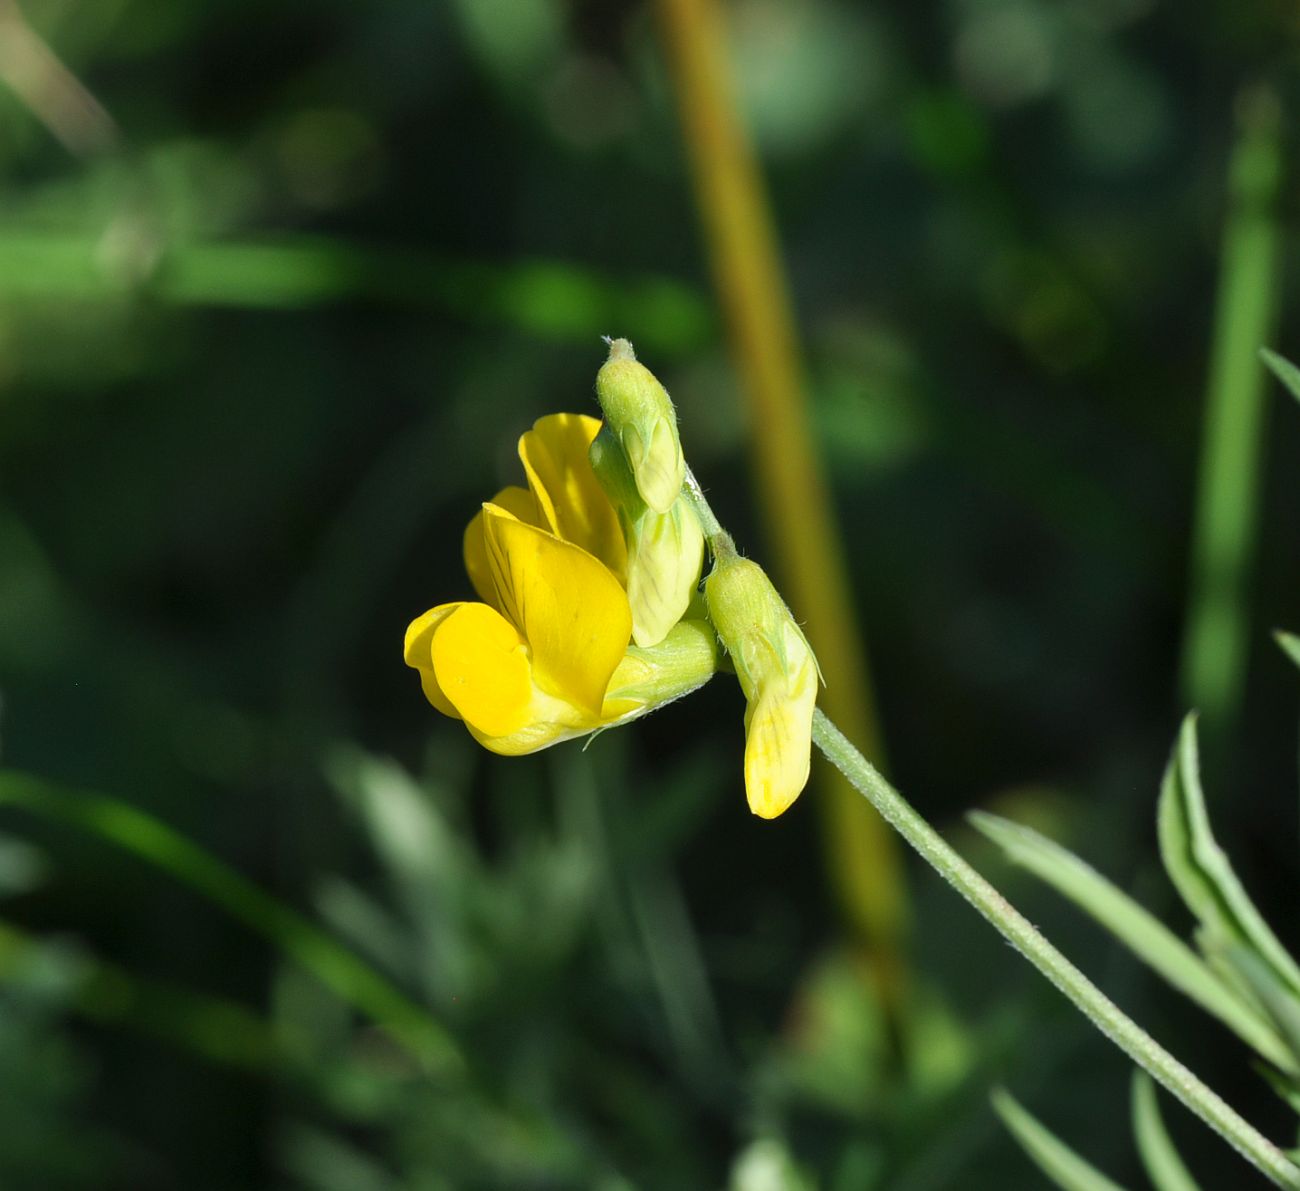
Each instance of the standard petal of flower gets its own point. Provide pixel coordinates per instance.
(481, 665)
(571, 501)
(778, 742)
(515, 500)
(418, 654)
(569, 607)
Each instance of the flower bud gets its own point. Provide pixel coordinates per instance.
(777, 672)
(639, 412)
(665, 551)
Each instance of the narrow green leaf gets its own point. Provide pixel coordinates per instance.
(1280, 1003)
(1051, 1155)
(220, 1031)
(1286, 1087)
(1234, 437)
(1290, 644)
(298, 937)
(1201, 871)
(1139, 930)
(1164, 1167)
(1283, 369)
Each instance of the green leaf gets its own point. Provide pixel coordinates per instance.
(1287, 1088)
(1283, 369)
(1139, 930)
(1164, 1167)
(1280, 1003)
(1290, 644)
(1051, 1155)
(1201, 871)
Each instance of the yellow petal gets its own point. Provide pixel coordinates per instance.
(569, 607)
(549, 721)
(418, 654)
(778, 743)
(572, 504)
(515, 500)
(481, 665)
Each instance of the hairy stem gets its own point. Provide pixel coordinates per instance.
(1017, 930)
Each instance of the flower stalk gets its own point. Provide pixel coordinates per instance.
(1094, 1004)
(1013, 926)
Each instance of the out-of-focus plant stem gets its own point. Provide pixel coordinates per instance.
(1223, 541)
(50, 91)
(864, 860)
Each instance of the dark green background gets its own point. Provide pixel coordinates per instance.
(257, 369)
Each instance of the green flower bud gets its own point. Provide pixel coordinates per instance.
(777, 672)
(665, 551)
(639, 412)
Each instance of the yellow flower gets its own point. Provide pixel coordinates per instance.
(777, 672)
(545, 656)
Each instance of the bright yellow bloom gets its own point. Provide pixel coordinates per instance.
(545, 656)
(777, 672)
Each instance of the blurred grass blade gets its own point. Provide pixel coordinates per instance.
(299, 938)
(1280, 1003)
(863, 857)
(1201, 871)
(1288, 1089)
(1051, 1155)
(1163, 1165)
(1283, 369)
(1290, 644)
(220, 1031)
(1139, 930)
(1223, 537)
(551, 299)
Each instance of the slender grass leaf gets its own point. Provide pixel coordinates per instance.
(1280, 1003)
(1233, 439)
(1290, 644)
(1163, 1165)
(220, 1031)
(1201, 871)
(554, 299)
(1283, 369)
(1285, 1086)
(297, 936)
(1051, 1155)
(1139, 930)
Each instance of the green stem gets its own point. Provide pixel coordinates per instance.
(1016, 929)
(719, 539)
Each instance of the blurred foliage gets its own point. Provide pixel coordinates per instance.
(268, 336)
